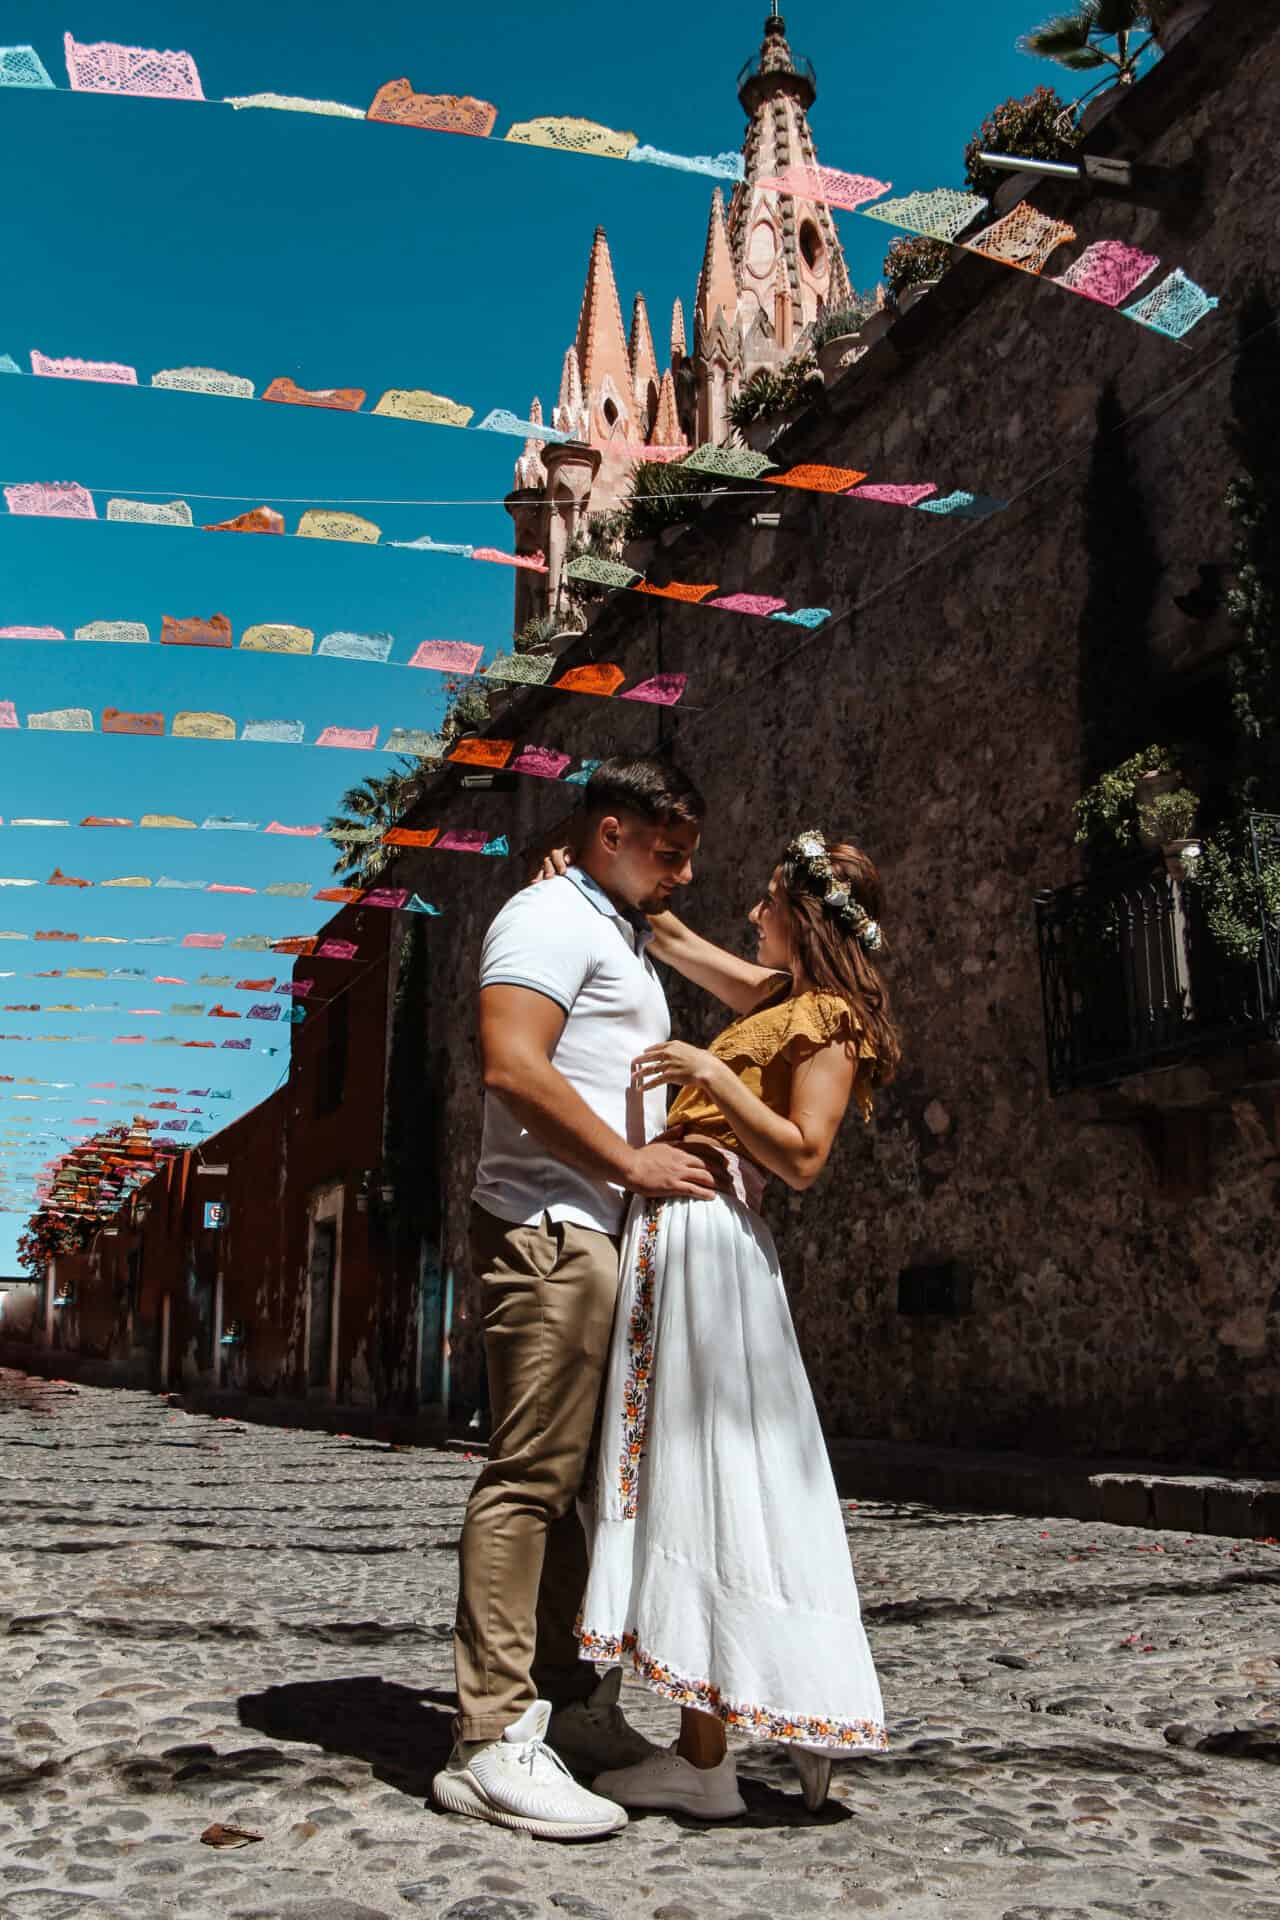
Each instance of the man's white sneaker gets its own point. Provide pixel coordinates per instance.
(519, 1782)
(669, 1782)
(592, 1735)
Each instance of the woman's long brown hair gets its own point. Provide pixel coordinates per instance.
(836, 961)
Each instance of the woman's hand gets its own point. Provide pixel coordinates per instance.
(558, 860)
(673, 1064)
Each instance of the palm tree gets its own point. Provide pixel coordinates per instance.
(1076, 40)
(369, 811)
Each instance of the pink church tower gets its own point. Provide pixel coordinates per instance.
(788, 261)
(771, 265)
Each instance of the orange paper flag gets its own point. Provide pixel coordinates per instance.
(599, 678)
(150, 724)
(257, 520)
(195, 632)
(411, 837)
(345, 399)
(816, 479)
(343, 895)
(482, 753)
(678, 590)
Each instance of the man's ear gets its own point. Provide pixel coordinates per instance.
(609, 831)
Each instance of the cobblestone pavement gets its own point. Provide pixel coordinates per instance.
(211, 1622)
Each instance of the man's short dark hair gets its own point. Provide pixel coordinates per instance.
(657, 790)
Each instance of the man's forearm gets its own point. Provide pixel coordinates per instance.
(557, 1115)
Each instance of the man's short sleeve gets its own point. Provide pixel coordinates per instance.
(539, 941)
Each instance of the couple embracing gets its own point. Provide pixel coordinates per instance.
(657, 1489)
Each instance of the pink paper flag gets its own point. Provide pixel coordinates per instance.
(129, 1040)
(535, 562)
(298, 833)
(295, 989)
(829, 184)
(354, 737)
(748, 603)
(448, 656)
(32, 633)
(216, 887)
(1108, 271)
(8, 714)
(106, 68)
(211, 940)
(893, 496)
(337, 950)
(543, 762)
(663, 690)
(393, 897)
(462, 840)
(54, 499)
(108, 370)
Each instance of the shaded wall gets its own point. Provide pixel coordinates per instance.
(943, 725)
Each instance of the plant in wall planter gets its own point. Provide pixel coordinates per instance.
(770, 402)
(1110, 814)
(841, 336)
(1166, 818)
(1237, 900)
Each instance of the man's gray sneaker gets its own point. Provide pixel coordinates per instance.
(592, 1735)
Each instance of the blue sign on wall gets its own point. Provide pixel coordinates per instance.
(215, 1213)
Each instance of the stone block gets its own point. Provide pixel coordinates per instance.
(1229, 1511)
(1126, 1500)
(1179, 1505)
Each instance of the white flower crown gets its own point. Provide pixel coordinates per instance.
(806, 861)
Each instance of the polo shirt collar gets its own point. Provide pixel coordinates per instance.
(592, 890)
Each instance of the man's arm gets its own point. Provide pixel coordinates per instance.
(519, 1032)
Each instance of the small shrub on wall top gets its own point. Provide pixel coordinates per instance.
(915, 263)
(1037, 127)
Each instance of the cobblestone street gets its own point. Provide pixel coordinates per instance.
(208, 1622)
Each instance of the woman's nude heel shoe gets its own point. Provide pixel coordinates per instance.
(814, 1770)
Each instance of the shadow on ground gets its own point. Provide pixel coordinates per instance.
(403, 1733)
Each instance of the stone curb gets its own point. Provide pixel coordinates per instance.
(1138, 1495)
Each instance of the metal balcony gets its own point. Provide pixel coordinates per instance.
(1132, 978)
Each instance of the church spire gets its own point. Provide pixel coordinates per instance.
(602, 346)
(787, 256)
(679, 344)
(717, 288)
(644, 366)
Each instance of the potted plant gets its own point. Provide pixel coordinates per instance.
(843, 334)
(1167, 820)
(1036, 127)
(918, 263)
(771, 402)
(1110, 815)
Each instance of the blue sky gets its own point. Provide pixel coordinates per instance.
(342, 254)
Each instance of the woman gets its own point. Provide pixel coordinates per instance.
(719, 1561)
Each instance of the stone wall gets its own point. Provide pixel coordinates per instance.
(939, 724)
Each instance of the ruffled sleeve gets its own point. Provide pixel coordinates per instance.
(817, 1019)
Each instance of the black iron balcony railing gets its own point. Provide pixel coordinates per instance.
(802, 68)
(1132, 978)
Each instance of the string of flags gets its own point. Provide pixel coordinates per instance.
(1023, 239)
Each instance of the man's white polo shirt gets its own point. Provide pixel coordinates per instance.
(566, 939)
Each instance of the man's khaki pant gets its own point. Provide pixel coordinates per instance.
(549, 1293)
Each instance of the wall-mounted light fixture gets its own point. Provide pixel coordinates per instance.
(233, 1334)
(1107, 173)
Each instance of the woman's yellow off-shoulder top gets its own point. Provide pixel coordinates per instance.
(764, 1049)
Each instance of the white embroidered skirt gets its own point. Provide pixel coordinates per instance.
(719, 1562)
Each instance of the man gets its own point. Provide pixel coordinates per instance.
(567, 1001)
